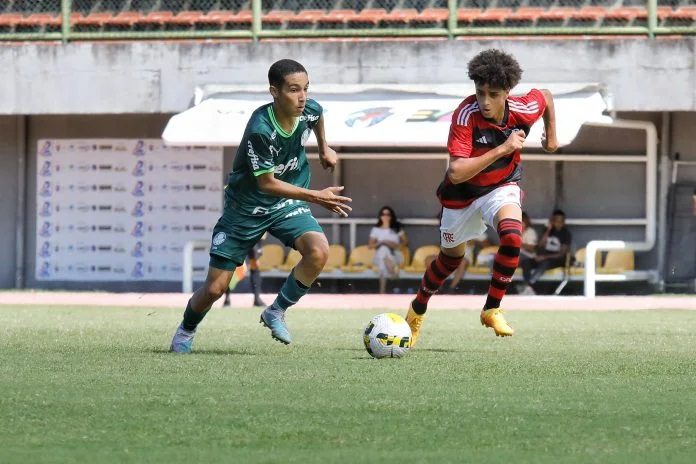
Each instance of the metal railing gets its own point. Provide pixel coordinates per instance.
(72, 20)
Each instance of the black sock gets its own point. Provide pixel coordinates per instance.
(418, 307)
(191, 318)
(255, 281)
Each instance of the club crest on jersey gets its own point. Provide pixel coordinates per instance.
(219, 238)
(305, 136)
(368, 117)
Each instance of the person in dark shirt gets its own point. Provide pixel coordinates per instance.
(553, 247)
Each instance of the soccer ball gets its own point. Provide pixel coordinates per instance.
(387, 336)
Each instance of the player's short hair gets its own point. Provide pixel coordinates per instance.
(496, 68)
(558, 212)
(280, 69)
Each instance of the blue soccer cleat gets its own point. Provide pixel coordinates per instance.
(182, 341)
(274, 319)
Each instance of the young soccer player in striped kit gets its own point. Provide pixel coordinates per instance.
(481, 184)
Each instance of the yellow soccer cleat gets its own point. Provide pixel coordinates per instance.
(494, 319)
(415, 321)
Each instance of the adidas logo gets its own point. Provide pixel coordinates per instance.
(482, 140)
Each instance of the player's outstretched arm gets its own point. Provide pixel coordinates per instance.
(548, 140)
(328, 198)
(327, 155)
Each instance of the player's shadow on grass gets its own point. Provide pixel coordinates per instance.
(213, 352)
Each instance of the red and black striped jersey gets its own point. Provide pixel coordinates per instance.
(472, 135)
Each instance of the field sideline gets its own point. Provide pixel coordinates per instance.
(357, 301)
(92, 382)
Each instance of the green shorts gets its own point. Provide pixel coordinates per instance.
(235, 234)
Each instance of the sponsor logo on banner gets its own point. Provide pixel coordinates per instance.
(46, 210)
(46, 189)
(137, 251)
(46, 229)
(45, 170)
(368, 117)
(138, 229)
(139, 169)
(138, 271)
(45, 270)
(45, 251)
(177, 187)
(91, 212)
(139, 149)
(138, 209)
(46, 149)
(138, 189)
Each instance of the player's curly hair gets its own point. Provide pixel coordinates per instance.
(496, 68)
(280, 69)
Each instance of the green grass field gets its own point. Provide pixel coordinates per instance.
(83, 384)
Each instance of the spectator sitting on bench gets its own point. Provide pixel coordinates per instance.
(551, 252)
(386, 238)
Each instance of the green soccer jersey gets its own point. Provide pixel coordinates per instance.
(266, 147)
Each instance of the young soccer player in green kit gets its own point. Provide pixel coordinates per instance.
(268, 190)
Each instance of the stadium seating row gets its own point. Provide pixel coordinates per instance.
(590, 16)
(360, 260)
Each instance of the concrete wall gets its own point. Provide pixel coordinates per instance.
(159, 77)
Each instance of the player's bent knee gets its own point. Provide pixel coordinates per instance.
(511, 240)
(317, 255)
(215, 290)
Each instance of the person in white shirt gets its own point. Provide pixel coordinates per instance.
(530, 238)
(386, 238)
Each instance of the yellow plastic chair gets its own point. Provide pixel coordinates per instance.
(360, 259)
(578, 267)
(484, 261)
(618, 261)
(419, 256)
(272, 256)
(407, 256)
(291, 261)
(337, 258)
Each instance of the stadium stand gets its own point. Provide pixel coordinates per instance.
(31, 16)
